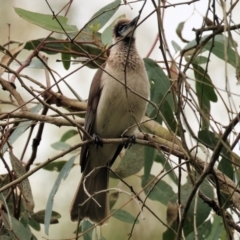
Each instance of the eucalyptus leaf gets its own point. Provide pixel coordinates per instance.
(102, 16)
(161, 192)
(21, 128)
(124, 216)
(216, 230)
(55, 46)
(160, 94)
(85, 226)
(18, 231)
(54, 166)
(106, 36)
(69, 134)
(210, 140)
(66, 60)
(204, 83)
(47, 21)
(175, 46)
(131, 163)
(201, 60)
(40, 215)
(61, 176)
(160, 158)
(202, 211)
(149, 155)
(61, 146)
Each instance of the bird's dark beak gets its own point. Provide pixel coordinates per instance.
(133, 22)
(129, 27)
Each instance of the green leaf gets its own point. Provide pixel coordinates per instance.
(47, 21)
(210, 140)
(226, 167)
(24, 186)
(21, 128)
(160, 84)
(175, 46)
(131, 163)
(205, 93)
(85, 226)
(124, 216)
(203, 231)
(66, 60)
(216, 46)
(149, 155)
(54, 166)
(102, 16)
(40, 215)
(201, 60)
(4, 237)
(106, 36)
(204, 83)
(34, 224)
(160, 94)
(203, 210)
(3, 201)
(162, 192)
(160, 158)
(61, 176)
(217, 227)
(55, 46)
(69, 134)
(61, 146)
(113, 197)
(179, 31)
(17, 230)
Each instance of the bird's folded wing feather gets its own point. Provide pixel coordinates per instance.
(93, 100)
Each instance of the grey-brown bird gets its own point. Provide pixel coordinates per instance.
(112, 112)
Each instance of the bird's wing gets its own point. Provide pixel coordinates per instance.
(93, 100)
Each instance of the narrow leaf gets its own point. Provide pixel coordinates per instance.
(204, 82)
(179, 31)
(66, 60)
(24, 186)
(47, 21)
(61, 146)
(149, 155)
(103, 15)
(175, 46)
(69, 134)
(160, 94)
(161, 192)
(54, 166)
(106, 36)
(17, 231)
(124, 216)
(85, 226)
(203, 209)
(61, 176)
(201, 60)
(131, 163)
(21, 128)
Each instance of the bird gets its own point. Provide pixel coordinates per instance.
(117, 102)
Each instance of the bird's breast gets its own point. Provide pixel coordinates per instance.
(119, 108)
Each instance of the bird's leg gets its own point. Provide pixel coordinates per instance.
(130, 141)
(97, 140)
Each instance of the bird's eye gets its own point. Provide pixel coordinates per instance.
(120, 28)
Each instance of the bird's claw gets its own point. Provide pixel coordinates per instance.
(97, 140)
(131, 140)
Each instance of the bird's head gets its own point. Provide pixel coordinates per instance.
(123, 28)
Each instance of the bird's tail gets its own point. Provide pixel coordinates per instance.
(97, 208)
